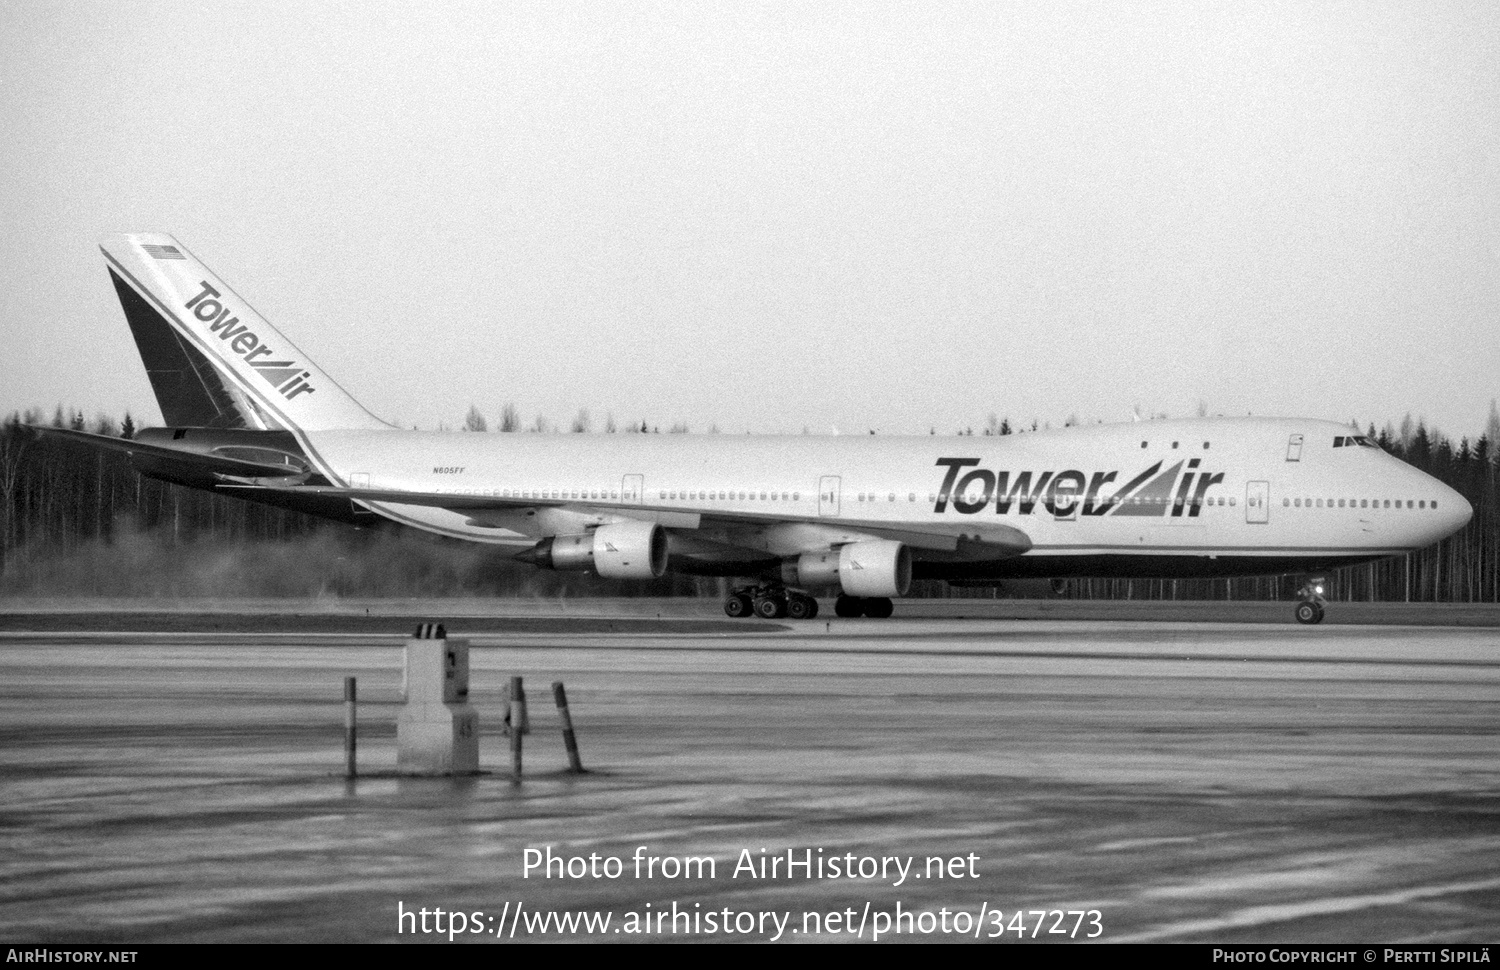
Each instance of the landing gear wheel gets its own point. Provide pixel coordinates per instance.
(1310, 609)
(879, 608)
(738, 605)
(770, 607)
(848, 606)
(799, 607)
(1309, 613)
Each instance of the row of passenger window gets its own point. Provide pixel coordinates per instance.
(714, 495)
(695, 495)
(603, 494)
(1111, 500)
(1363, 503)
(728, 496)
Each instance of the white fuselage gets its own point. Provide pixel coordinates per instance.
(1230, 488)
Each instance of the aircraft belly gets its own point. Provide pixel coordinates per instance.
(693, 552)
(1159, 564)
(786, 538)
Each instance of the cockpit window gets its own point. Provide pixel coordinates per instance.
(1352, 441)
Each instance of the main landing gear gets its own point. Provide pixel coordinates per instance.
(1310, 609)
(770, 602)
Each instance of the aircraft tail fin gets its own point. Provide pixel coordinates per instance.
(212, 360)
(189, 389)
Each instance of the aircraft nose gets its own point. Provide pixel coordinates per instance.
(1458, 511)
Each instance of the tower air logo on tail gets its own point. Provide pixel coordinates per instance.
(287, 376)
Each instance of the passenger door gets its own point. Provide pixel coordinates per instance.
(1257, 502)
(828, 495)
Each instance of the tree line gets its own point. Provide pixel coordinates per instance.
(77, 520)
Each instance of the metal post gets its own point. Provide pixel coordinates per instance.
(575, 763)
(517, 718)
(351, 730)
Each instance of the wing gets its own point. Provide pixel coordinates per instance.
(972, 539)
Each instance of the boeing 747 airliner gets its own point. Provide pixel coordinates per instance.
(251, 416)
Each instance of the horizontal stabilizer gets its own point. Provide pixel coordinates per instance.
(218, 464)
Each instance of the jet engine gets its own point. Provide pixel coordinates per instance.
(878, 567)
(622, 550)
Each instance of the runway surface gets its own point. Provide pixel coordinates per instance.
(1183, 781)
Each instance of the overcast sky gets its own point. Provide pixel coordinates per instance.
(770, 216)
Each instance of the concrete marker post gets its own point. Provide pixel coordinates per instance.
(517, 718)
(351, 729)
(575, 763)
(522, 717)
(437, 730)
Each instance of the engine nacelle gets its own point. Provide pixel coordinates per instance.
(622, 550)
(630, 550)
(879, 567)
(812, 570)
(565, 552)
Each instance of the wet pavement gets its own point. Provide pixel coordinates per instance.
(1164, 780)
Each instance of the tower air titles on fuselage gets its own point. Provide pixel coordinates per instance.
(1153, 492)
